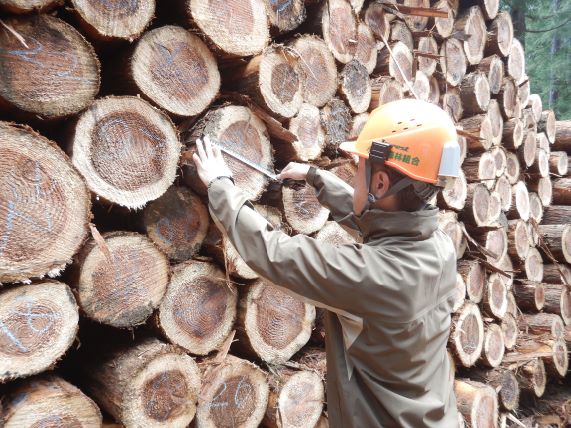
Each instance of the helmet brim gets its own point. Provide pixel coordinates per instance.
(351, 147)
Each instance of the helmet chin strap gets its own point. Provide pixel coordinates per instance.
(404, 182)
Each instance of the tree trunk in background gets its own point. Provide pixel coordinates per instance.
(518, 9)
(555, 46)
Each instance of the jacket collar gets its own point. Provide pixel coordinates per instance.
(417, 226)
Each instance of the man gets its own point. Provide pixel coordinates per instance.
(391, 297)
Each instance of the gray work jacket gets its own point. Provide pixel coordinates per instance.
(391, 299)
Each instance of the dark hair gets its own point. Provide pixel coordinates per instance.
(407, 199)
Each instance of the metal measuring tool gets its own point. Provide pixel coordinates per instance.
(294, 184)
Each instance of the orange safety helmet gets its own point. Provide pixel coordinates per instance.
(422, 138)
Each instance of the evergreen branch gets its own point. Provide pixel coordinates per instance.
(549, 29)
(533, 17)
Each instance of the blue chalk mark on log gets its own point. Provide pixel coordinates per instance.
(12, 338)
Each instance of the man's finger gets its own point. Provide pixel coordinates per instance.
(208, 147)
(197, 161)
(218, 153)
(200, 150)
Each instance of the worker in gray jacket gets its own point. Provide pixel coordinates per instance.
(390, 298)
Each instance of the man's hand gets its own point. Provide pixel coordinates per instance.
(295, 171)
(209, 162)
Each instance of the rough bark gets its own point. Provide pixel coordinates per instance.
(557, 237)
(529, 295)
(558, 301)
(562, 136)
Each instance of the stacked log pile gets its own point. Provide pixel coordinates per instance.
(150, 317)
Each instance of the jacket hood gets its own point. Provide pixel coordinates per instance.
(376, 223)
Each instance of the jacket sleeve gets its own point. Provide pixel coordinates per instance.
(317, 271)
(334, 194)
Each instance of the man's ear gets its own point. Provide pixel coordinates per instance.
(381, 183)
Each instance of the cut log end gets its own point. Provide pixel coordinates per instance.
(339, 26)
(366, 51)
(296, 400)
(240, 130)
(235, 393)
(276, 325)
(39, 324)
(472, 22)
(475, 276)
(355, 86)
(511, 330)
(494, 346)
(495, 297)
(398, 65)
(318, 71)
(500, 35)
(377, 19)
(303, 211)
(177, 223)
(42, 227)
(306, 126)
(122, 21)
(477, 402)
(48, 401)
(61, 79)
(174, 68)
(149, 383)
(199, 308)
(454, 197)
(237, 28)
(127, 150)
(285, 15)
(121, 281)
(467, 336)
(27, 6)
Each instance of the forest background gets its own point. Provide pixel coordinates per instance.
(544, 29)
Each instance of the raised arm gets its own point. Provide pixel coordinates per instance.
(332, 192)
(335, 277)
